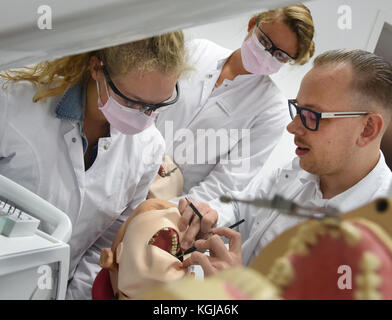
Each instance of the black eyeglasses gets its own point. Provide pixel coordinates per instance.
(144, 106)
(267, 43)
(310, 118)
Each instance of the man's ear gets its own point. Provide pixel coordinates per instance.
(106, 260)
(371, 130)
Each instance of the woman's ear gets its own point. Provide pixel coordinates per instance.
(95, 67)
(251, 23)
(372, 129)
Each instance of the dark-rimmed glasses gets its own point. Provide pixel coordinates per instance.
(267, 43)
(143, 106)
(310, 118)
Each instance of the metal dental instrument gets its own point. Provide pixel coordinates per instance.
(170, 172)
(288, 207)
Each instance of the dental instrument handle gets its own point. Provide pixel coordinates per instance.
(193, 248)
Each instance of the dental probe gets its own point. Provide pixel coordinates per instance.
(288, 207)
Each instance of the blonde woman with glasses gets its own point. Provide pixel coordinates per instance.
(79, 132)
(229, 102)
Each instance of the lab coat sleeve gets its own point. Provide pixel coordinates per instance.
(81, 285)
(150, 167)
(150, 171)
(261, 186)
(235, 169)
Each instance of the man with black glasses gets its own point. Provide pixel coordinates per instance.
(341, 112)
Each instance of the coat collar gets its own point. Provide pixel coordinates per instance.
(72, 104)
(360, 190)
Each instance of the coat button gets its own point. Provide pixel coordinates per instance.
(209, 76)
(106, 146)
(73, 140)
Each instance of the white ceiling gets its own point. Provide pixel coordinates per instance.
(80, 26)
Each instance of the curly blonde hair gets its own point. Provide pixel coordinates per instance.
(300, 21)
(164, 53)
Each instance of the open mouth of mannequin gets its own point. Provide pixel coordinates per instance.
(168, 240)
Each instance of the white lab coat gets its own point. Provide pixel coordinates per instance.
(262, 225)
(250, 102)
(45, 154)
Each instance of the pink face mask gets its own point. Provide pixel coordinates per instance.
(256, 59)
(126, 120)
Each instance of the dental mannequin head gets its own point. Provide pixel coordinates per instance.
(143, 252)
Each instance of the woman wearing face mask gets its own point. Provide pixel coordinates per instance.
(79, 132)
(230, 112)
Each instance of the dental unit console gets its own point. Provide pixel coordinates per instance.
(33, 264)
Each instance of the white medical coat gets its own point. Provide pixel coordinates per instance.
(250, 102)
(263, 225)
(45, 154)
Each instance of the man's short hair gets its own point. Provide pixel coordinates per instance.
(372, 79)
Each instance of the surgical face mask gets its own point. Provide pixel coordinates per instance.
(256, 59)
(126, 120)
(140, 258)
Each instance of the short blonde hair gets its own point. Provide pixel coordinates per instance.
(300, 21)
(165, 53)
(372, 78)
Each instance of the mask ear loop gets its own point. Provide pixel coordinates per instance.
(106, 85)
(104, 79)
(99, 93)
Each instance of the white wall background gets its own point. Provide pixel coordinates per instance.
(328, 35)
